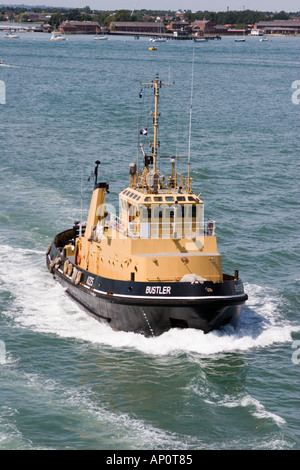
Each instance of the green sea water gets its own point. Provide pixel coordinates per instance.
(68, 382)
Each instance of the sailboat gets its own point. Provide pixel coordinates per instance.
(57, 37)
(156, 265)
(159, 39)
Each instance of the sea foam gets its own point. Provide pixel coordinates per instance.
(41, 304)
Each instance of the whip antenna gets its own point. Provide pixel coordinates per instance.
(191, 110)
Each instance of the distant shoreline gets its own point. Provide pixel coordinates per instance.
(170, 37)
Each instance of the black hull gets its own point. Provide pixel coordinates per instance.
(152, 308)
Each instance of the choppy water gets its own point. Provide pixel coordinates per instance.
(67, 382)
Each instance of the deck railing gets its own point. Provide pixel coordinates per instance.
(161, 229)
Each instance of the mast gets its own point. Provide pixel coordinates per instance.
(134, 8)
(185, 182)
(157, 85)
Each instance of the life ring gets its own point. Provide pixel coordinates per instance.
(78, 258)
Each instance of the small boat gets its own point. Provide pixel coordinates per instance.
(158, 39)
(58, 37)
(240, 40)
(264, 39)
(154, 267)
(152, 48)
(11, 36)
(200, 40)
(100, 38)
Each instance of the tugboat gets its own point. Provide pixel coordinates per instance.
(154, 267)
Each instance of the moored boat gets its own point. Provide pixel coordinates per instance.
(158, 39)
(154, 267)
(11, 35)
(58, 37)
(100, 38)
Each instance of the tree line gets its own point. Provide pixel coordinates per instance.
(58, 15)
(238, 17)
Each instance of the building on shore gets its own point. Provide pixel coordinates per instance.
(175, 29)
(135, 27)
(203, 27)
(288, 27)
(182, 29)
(80, 27)
(179, 28)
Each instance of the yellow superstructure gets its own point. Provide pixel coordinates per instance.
(152, 240)
(160, 233)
